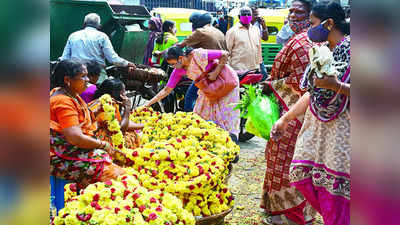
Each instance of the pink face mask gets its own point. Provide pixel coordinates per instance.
(245, 19)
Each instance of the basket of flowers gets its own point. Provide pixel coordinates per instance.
(212, 220)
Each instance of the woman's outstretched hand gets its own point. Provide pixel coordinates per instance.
(126, 102)
(279, 129)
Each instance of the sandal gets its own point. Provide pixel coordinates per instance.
(268, 221)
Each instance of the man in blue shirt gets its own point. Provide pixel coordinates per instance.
(222, 21)
(91, 44)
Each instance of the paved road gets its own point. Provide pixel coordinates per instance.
(246, 183)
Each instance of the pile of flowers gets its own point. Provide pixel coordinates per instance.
(196, 176)
(122, 201)
(181, 125)
(187, 156)
(181, 154)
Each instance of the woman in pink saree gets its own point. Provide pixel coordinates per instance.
(193, 63)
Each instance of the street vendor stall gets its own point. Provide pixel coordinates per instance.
(122, 23)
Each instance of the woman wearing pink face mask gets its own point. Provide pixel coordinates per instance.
(244, 43)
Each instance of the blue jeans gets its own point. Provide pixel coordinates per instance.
(263, 71)
(190, 98)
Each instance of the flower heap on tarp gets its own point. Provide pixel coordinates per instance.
(122, 201)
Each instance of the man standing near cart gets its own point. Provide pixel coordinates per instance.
(91, 44)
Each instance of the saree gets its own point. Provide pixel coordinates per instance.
(278, 196)
(67, 161)
(222, 110)
(320, 169)
(152, 37)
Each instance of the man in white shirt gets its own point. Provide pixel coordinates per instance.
(244, 43)
(91, 44)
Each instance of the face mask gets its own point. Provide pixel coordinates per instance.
(178, 65)
(174, 30)
(318, 33)
(245, 19)
(299, 26)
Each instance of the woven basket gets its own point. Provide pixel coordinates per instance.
(147, 74)
(214, 219)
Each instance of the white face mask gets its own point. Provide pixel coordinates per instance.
(174, 30)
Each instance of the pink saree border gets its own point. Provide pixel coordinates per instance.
(334, 209)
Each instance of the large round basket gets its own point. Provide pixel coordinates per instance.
(214, 219)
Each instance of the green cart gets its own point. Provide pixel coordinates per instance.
(122, 23)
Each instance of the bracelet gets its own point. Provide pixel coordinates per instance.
(341, 86)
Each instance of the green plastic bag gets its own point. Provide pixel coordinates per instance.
(262, 113)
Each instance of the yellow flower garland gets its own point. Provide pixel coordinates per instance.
(113, 126)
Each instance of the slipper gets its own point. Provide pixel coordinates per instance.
(268, 221)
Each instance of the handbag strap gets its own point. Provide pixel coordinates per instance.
(205, 73)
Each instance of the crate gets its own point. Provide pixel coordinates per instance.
(269, 52)
(57, 191)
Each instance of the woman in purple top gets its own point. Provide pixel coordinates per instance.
(320, 168)
(94, 70)
(193, 63)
